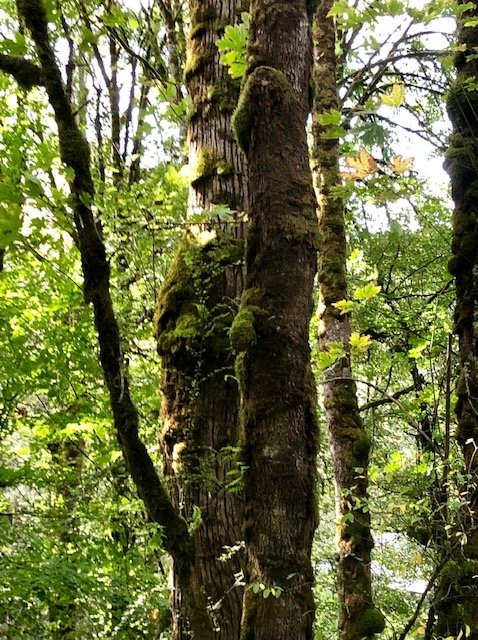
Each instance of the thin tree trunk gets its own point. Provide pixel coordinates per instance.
(456, 605)
(200, 409)
(349, 442)
(75, 154)
(271, 331)
(114, 96)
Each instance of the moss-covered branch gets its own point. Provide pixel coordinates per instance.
(26, 73)
(75, 155)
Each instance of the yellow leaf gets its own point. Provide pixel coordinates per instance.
(395, 97)
(400, 164)
(360, 342)
(362, 165)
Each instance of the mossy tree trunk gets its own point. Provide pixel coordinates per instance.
(271, 331)
(349, 442)
(456, 604)
(75, 154)
(200, 407)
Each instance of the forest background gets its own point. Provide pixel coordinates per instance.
(81, 554)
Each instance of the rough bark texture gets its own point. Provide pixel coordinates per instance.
(457, 601)
(348, 438)
(217, 166)
(271, 331)
(75, 154)
(200, 408)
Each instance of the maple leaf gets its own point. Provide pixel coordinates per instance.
(361, 342)
(395, 97)
(400, 164)
(362, 165)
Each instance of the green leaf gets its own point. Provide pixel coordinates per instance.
(33, 186)
(367, 292)
(344, 306)
(335, 351)
(85, 198)
(334, 132)
(361, 342)
(10, 194)
(233, 46)
(330, 117)
(371, 133)
(15, 47)
(417, 350)
(10, 224)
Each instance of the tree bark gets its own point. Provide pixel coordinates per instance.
(349, 441)
(200, 408)
(457, 600)
(271, 331)
(75, 155)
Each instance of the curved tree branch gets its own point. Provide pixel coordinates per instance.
(75, 154)
(26, 73)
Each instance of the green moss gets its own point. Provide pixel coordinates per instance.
(188, 317)
(224, 96)
(197, 61)
(371, 622)
(361, 445)
(462, 102)
(242, 331)
(205, 12)
(239, 369)
(252, 297)
(242, 117)
(251, 601)
(204, 165)
(305, 226)
(242, 120)
(200, 28)
(224, 168)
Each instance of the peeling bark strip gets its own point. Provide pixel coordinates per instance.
(457, 601)
(75, 154)
(200, 406)
(349, 441)
(271, 331)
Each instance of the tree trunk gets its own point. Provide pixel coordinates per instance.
(270, 333)
(457, 601)
(349, 442)
(200, 409)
